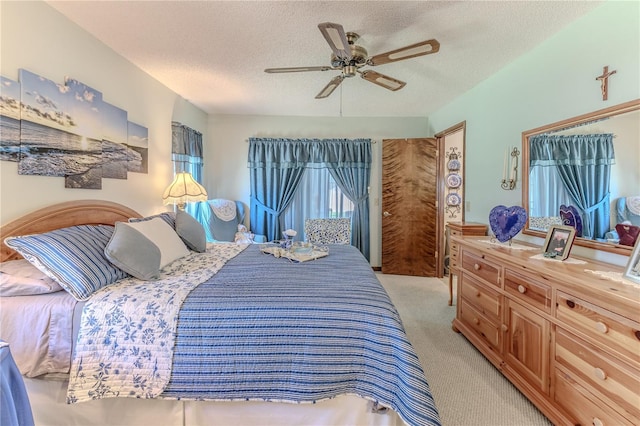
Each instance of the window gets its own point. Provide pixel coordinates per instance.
(318, 196)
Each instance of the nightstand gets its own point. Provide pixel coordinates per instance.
(455, 229)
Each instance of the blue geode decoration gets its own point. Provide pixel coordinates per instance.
(507, 222)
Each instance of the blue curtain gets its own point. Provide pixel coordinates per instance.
(276, 166)
(352, 177)
(186, 154)
(584, 166)
(275, 169)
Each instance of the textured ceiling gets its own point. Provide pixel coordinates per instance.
(214, 53)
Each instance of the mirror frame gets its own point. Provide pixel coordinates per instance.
(570, 122)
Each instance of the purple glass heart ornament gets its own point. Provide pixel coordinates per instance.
(571, 217)
(506, 222)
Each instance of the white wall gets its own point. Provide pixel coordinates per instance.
(36, 37)
(555, 81)
(226, 161)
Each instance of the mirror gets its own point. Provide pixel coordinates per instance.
(549, 186)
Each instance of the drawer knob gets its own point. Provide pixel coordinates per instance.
(571, 304)
(601, 327)
(504, 328)
(597, 422)
(522, 289)
(476, 267)
(600, 374)
(476, 321)
(478, 293)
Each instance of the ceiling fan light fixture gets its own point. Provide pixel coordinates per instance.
(349, 58)
(349, 70)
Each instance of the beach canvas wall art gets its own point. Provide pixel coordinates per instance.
(68, 130)
(114, 142)
(9, 119)
(138, 144)
(85, 106)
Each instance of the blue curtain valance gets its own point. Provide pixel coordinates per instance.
(185, 140)
(293, 153)
(577, 150)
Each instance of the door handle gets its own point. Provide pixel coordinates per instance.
(385, 214)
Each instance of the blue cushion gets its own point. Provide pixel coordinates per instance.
(191, 232)
(131, 251)
(73, 256)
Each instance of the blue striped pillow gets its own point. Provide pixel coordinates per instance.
(168, 217)
(74, 257)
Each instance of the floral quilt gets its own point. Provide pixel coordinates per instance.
(127, 334)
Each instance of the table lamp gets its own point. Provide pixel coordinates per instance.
(182, 190)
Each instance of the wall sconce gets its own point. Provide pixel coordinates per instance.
(511, 169)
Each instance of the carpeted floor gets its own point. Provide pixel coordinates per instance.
(467, 389)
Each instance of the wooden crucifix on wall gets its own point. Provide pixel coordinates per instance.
(604, 81)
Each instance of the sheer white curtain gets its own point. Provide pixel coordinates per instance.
(547, 192)
(317, 196)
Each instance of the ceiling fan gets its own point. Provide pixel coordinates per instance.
(349, 58)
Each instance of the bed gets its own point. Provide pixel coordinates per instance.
(243, 338)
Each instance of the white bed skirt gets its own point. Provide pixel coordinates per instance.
(48, 403)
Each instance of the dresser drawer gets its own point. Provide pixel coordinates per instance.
(618, 333)
(483, 299)
(481, 267)
(528, 290)
(615, 381)
(484, 328)
(582, 406)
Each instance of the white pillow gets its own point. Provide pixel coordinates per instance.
(164, 237)
(21, 278)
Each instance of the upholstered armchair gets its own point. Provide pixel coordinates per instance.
(328, 231)
(221, 218)
(627, 214)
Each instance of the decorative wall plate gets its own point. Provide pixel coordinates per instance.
(453, 180)
(453, 164)
(453, 199)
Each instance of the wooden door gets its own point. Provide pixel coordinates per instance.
(410, 224)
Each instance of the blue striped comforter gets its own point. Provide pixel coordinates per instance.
(269, 329)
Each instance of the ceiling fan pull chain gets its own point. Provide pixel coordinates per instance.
(341, 101)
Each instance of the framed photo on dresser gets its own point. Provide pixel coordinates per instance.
(632, 271)
(559, 240)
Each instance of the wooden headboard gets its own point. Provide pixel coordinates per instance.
(62, 215)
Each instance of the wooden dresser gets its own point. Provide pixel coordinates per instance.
(567, 338)
(460, 229)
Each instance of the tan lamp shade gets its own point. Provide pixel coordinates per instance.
(184, 189)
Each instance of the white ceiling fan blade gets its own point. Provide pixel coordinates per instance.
(297, 69)
(337, 39)
(383, 80)
(426, 47)
(329, 88)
